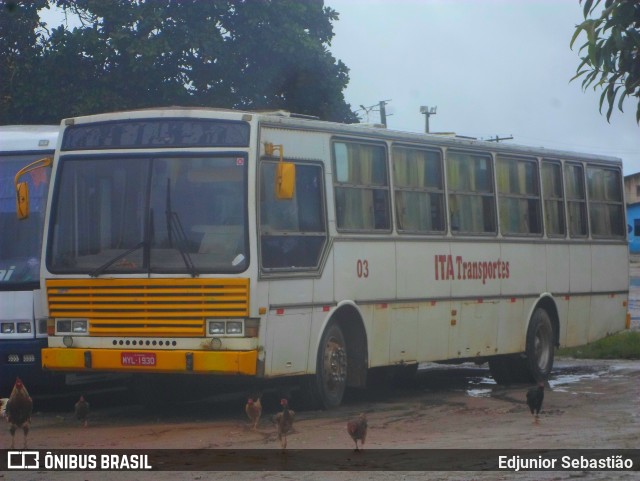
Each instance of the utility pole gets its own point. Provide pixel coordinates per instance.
(383, 111)
(381, 108)
(427, 113)
(498, 139)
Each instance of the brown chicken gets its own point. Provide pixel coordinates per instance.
(18, 410)
(284, 421)
(3, 407)
(357, 429)
(82, 411)
(254, 411)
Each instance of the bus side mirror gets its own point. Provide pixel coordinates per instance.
(285, 180)
(22, 189)
(285, 173)
(22, 200)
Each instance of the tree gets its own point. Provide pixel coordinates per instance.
(21, 35)
(612, 51)
(245, 54)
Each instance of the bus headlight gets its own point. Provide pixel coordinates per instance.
(75, 326)
(63, 326)
(216, 327)
(234, 327)
(79, 327)
(8, 328)
(13, 358)
(24, 327)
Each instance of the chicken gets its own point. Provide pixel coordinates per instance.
(284, 421)
(254, 411)
(19, 408)
(535, 395)
(3, 407)
(82, 411)
(357, 429)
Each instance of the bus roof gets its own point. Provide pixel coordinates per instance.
(28, 137)
(287, 119)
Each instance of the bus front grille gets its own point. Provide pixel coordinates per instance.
(169, 307)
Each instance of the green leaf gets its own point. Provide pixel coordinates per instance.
(579, 29)
(587, 7)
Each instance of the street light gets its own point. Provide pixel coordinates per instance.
(427, 113)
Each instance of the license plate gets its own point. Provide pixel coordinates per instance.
(138, 359)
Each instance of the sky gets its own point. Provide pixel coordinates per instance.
(491, 67)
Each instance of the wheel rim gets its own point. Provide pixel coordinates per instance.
(543, 346)
(335, 367)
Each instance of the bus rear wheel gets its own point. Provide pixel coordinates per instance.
(327, 386)
(540, 346)
(535, 364)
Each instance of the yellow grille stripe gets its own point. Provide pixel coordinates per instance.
(155, 298)
(148, 306)
(179, 314)
(148, 290)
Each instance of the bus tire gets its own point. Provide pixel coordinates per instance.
(328, 385)
(540, 346)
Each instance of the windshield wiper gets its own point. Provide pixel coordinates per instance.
(110, 262)
(174, 226)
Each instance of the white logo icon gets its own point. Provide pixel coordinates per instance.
(23, 460)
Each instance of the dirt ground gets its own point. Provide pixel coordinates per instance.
(588, 404)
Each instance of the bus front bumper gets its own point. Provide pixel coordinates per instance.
(149, 361)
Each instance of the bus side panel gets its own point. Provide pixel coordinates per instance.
(511, 326)
(287, 358)
(474, 329)
(580, 269)
(379, 335)
(578, 321)
(609, 315)
(611, 268)
(557, 269)
(609, 310)
(365, 271)
(422, 274)
(287, 350)
(475, 290)
(323, 286)
(558, 282)
(527, 275)
(580, 297)
(434, 327)
(562, 304)
(404, 334)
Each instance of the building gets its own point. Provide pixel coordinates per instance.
(632, 197)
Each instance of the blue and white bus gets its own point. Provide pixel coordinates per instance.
(23, 324)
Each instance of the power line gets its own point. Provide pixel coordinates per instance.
(379, 107)
(498, 139)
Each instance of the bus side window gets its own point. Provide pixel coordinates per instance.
(292, 232)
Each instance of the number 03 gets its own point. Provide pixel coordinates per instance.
(362, 268)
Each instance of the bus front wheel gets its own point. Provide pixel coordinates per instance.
(327, 386)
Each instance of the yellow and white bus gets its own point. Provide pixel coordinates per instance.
(212, 242)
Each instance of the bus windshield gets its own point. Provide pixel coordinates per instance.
(21, 241)
(144, 214)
